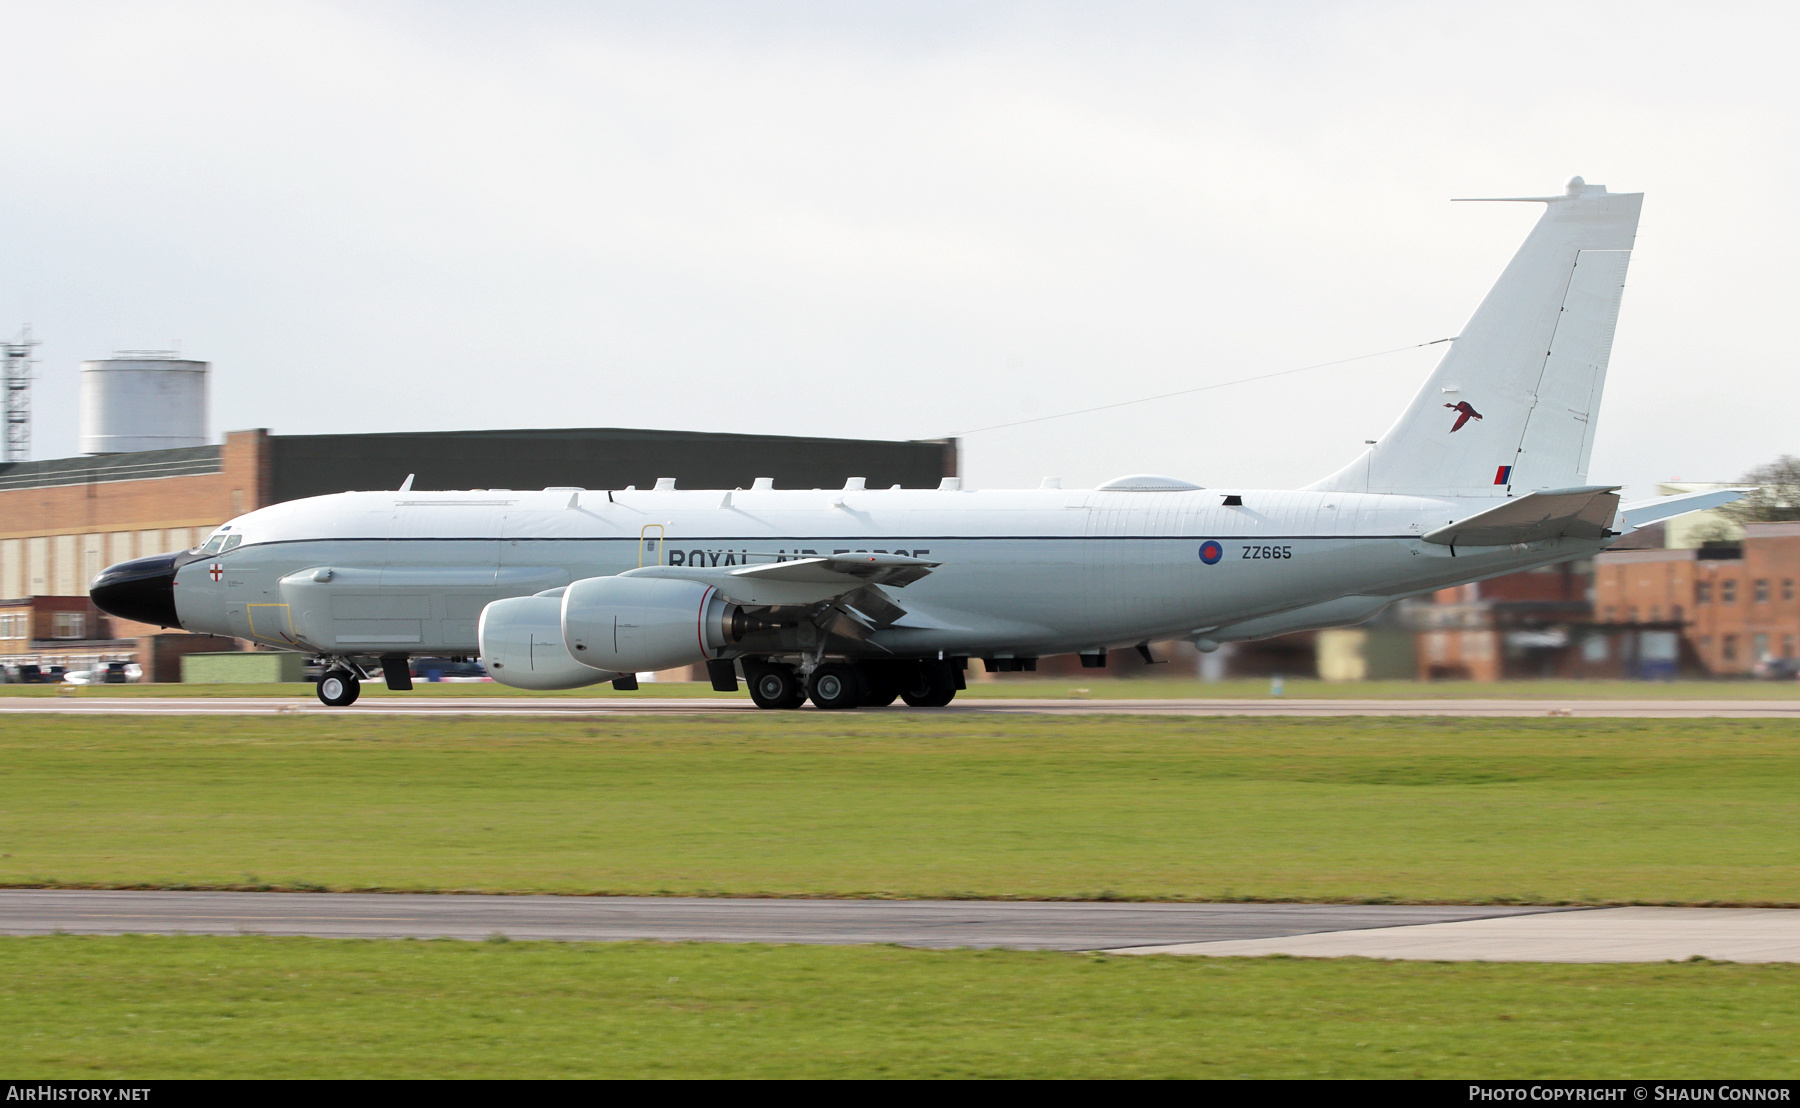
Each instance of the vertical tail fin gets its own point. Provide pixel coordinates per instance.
(1522, 383)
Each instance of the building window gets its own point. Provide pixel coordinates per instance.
(1728, 591)
(1787, 588)
(1759, 647)
(1787, 646)
(1703, 592)
(1762, 590)
(1675, 613)
(1728, 647)
(68, 625)
(1631, 614)
(1705, 644)
(1655, 614)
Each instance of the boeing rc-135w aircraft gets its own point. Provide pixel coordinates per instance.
(856, 596)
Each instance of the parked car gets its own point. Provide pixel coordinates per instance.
(107, 673)
(1777, 669)
(447, 669)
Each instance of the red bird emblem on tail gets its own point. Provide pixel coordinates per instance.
(1464, 413)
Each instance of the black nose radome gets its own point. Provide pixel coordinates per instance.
(142, 589)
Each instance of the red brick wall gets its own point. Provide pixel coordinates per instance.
(1736, 609)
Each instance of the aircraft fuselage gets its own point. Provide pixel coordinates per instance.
(1021, 572)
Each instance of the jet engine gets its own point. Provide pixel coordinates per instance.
(627, 624)
(522, 646)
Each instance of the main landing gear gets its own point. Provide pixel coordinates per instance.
(837, 685)
(933, 686)
(774, 686)
(834, 686)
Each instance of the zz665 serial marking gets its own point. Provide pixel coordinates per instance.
(1256, 553)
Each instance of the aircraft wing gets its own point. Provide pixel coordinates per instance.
(875, 569)
(1583, 513)
(810, 580)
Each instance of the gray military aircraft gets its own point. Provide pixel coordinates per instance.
(857, 596)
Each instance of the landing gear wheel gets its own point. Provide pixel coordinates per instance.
(339, 688)
(775, 687)
(835, 686)
(881, 685)
(933, 687)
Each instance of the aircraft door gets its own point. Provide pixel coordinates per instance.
(651, 543)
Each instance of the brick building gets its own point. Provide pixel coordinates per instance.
(1736, 603)
(65, 631)
(1540, 623)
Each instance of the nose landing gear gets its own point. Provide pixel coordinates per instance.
(339, 688)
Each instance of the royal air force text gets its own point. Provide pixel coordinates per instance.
(710, 558)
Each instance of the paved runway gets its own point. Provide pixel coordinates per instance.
(570, 707)
(1596, 935)
(1027, 925)
(1413, 932)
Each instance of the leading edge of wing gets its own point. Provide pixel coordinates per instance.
(806, 580)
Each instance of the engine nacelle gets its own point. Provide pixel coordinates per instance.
(522, 646)
(628, 624)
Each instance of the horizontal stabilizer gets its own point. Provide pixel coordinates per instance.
(1583, 513)
(1642, 513)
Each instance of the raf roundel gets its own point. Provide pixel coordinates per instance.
(1211, 552)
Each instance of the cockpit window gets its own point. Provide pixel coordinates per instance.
(222, 540)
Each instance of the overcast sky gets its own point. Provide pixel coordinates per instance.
(898, 220)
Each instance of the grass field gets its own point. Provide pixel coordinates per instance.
(915, 805)
(1010, 685)
(147, 1007)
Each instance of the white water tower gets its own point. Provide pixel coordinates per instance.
(142, 400)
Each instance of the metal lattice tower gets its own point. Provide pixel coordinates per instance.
(17, 356)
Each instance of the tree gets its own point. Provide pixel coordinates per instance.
(1776, 498)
